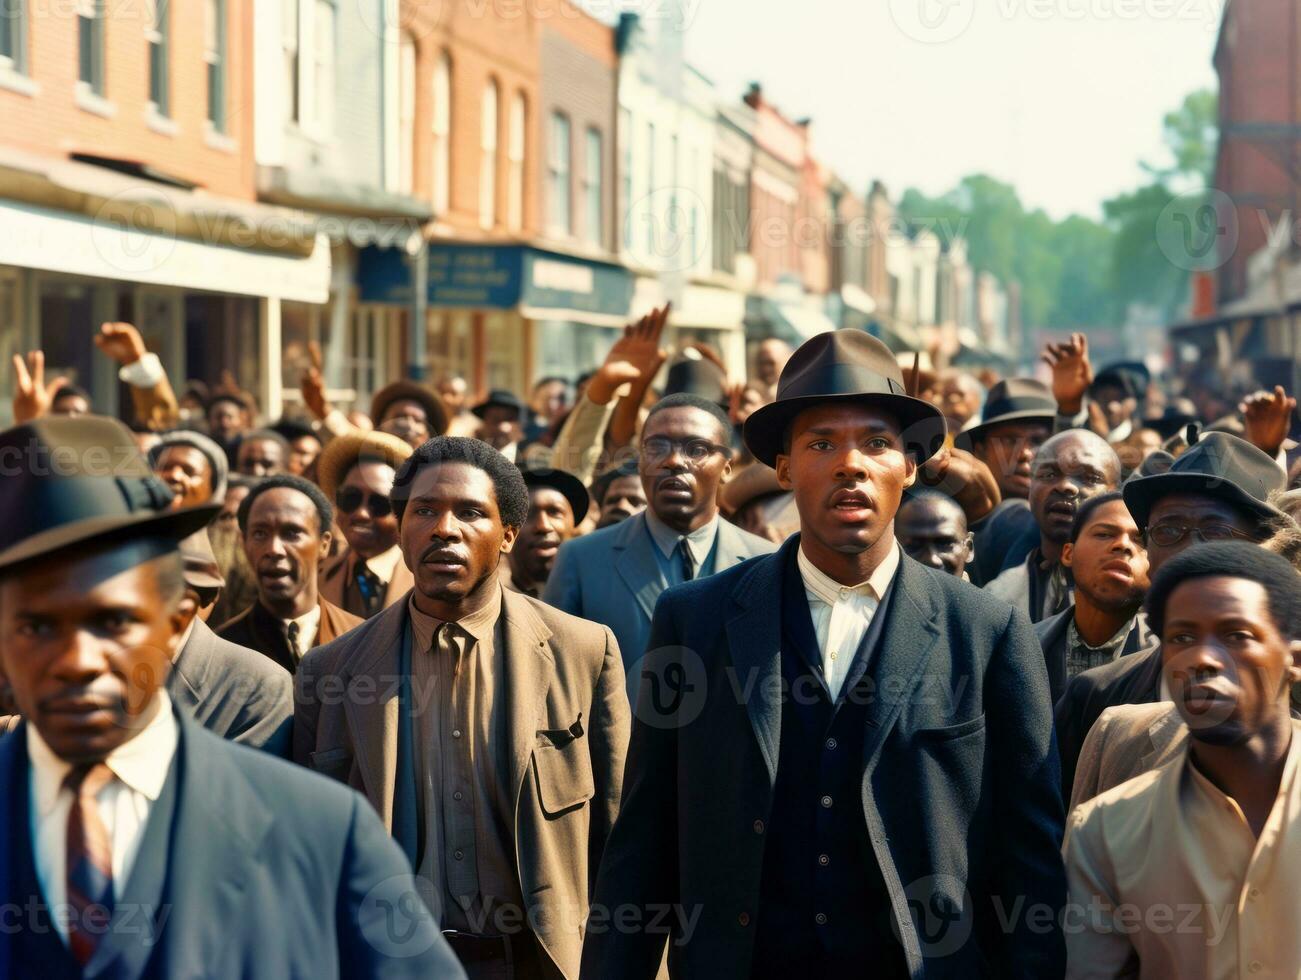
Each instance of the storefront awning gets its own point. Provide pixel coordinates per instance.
(41, 238)
(789, 321)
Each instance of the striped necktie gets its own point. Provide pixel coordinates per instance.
(90, 862)
(688, 560)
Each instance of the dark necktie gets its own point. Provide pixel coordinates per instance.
(688, 563)
(371, 590)
(291, 633)
(90, 862)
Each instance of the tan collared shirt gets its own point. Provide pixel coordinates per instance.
(842, 614)
(1167, 880)
(462, 758)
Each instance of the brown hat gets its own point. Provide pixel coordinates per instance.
(69, 481)
(843, 366)
(201, 568)
(402, 390)
(747, 484)
(343, 452)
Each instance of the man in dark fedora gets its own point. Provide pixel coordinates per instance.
(138, 845)
(1017, 419)
(841, 760)
(1216, 491)
(558, 503)
(501, 417)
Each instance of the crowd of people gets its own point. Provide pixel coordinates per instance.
(856, 663)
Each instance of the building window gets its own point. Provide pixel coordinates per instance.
(593, 187)
(90, 44)
(407, 114)
(488, 157)
(323, 66)
(559, 209)
(214, 56)
(289, 44)
(515, 158)
(442, 122)
(650, 187)
(156, 29)
(13, 35)
(625, 173)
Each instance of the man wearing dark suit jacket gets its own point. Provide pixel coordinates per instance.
(613, 576)
(285, 523)
(487, 728)
(1216, 491)
(841, 761)
(139, 845)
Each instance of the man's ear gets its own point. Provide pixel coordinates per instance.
(181, 618)
(326, 538)
(969, 548)
(1067, 553)
(1293, 669)
(508, 537)
(910, 470)
(783, 469)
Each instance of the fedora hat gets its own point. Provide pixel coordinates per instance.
(1011, 400)
(843, 366)
(342, 452)
(563, 482)
(499, 398)
(1221, 466)
(72, 481)
(404, 390)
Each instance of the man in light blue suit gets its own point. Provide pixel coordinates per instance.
(614, 576)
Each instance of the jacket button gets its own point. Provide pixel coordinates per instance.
(831, 743)
(826, 802)
(820, 919)
(824, 860)
(743, 919)
(758, 826)
(458, 854)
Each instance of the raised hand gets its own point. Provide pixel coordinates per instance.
(313, 383)
(636, 355)
(32, 395)
(121, 341)
(1072, 372)
(1267, 417)
(960, 475)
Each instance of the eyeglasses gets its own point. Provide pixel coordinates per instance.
(694, 451)
(1169, 535)
(348, 499)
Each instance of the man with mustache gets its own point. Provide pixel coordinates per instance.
(613, 576)
(137, 844)
(487, 728)
(285, 523)
(841, 763)
(1069, 468)
(1109, 567)
(558, 503)
(1217, 830)
(357, 471)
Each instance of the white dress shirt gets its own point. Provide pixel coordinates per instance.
(842, 613)
(308, 623)
(139, 768)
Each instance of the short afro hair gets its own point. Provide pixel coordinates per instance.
(324, 509)
(507, 482)
(1085, 512)
(929, 495)
(684, 400)
(263, 435)
(70, 390)
(1231, 559)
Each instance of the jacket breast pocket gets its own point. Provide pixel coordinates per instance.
(562, 768)
(335, 763)
(951, 732)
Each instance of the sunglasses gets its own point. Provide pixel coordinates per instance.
(349, 499)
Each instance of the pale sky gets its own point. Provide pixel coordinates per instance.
(1062, 98)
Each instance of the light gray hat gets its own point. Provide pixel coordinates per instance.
(216, 456)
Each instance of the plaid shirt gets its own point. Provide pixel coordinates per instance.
(1081, 657)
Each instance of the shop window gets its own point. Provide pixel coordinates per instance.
(323, 41)
(560, 210)
(406, 114)
(442, 125)
(515, 161)
(13, 36)
(488, 157)
(157, 28)
(593, 187)
(214, 57)
(90, 45)
(289, 45)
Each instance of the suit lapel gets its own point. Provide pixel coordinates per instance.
(908, 637)
(635, 562)
(13, 767)
(530, 668)
(1160, 734)
(754, 637)
(371, 677)
(401, 583)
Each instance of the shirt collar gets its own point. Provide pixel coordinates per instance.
(385, 564)
(479, 624)
(1118, 638)
(826, 589)
(140, 762)
(307, 622)
(185, 638)
(1209, 791)
(700, 542)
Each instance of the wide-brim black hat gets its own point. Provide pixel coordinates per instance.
(843, 366)
(1169, 422)
(562, 481)
(1011, 400)
(1220, 465)
(499, 398)
(68, 482)
(435, 412)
